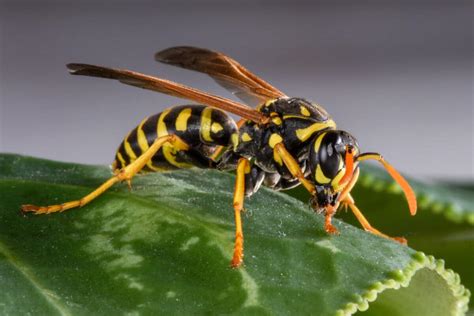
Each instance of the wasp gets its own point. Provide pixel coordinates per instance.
(279, 142)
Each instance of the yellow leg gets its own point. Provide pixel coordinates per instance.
(243, 168)
(293, 167)
(125, 174)
(331, 210)
(349, 201)
(328, 226)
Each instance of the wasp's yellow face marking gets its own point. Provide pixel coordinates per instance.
(304, 111)
(304, 134)
(182, 119)
(216, 127)
(320, 177)
(338, 177)
(317, 143)
(274, 139)
(246, 137)
(206, 122)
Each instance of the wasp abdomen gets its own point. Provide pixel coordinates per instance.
(202, 128)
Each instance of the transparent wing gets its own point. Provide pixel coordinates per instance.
(224, 70)
(167, 87)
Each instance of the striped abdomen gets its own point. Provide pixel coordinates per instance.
(202, 128)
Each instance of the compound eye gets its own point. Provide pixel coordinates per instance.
(329, 159)
(329, 155)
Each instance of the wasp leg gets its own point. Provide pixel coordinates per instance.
(328, 226)
(125, 174)
(243, 168)
(294, 168)
(283, 155)
(349, 201)
(220, 149)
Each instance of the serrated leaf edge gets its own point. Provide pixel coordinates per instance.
(402, 278)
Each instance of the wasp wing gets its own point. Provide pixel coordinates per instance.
(224, 70)
(167, 87)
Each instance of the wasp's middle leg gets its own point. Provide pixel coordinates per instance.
(124, 174)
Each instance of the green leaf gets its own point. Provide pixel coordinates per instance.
(443, 226)
(165, 247)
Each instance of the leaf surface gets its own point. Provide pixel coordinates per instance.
(165, 247)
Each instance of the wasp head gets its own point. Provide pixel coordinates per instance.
(331, 163)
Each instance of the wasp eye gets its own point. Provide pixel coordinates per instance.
(327, 159)
(329, 150)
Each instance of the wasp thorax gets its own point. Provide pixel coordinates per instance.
(327, 157)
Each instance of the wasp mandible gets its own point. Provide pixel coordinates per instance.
(281, 143)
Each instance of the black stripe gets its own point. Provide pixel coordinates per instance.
(122, 151)
(133, 141)
(150, 127)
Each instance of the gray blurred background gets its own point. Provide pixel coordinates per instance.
(397, 75)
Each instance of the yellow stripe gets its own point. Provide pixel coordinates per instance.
(235, 140)
(274, 139)
(206, 122)
(143, 143)
(170, 155)
(290, 116)
(182, 120)
(122, 161)
(141, 137)
(129, 150)
(304, 133)
(161, 129)
(320, 177)
(304, 111)
(169, 152)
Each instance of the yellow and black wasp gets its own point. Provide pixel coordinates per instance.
(282, 143)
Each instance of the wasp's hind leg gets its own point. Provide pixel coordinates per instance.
(243, 169)
(124, 174)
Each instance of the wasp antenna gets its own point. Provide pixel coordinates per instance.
(409, 194)
(349, 160)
